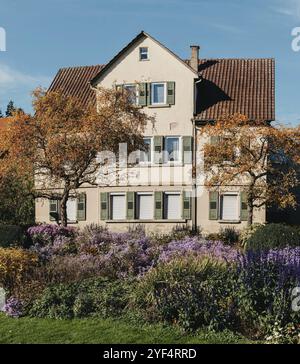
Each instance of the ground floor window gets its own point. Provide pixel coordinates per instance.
(229, 207)
(72, 209)
(172, 206)
(145, 206)
(118, 206)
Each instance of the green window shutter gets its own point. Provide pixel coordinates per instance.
(130, 205)
(244, 206)
(158, 207)
(104, 205)
(148, 91)
(187, 149)
(171, 93)
(142, 94)
(81, 207)
(158, 149)
(186, 205)
(53, 210)
(213, 205)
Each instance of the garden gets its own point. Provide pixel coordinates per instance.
(183, 286)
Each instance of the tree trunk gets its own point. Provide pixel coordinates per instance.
(250, 214)
(63, 206)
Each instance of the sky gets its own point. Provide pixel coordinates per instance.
(42, 36)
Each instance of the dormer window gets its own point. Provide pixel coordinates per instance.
(144, 54)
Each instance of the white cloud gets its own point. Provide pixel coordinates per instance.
(17, 86)
(13, 79)
(289, 8)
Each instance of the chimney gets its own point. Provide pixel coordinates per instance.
(194, 57)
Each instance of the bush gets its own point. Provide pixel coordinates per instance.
(198, 247)
(12, 235)
(192, 292)
(264, 284)
(47, 233)
(273, 236)
(98, 297)
(16, 266)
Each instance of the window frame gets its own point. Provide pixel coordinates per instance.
(111, 195)
(140, 53)
(125, 85)
(165, 93)
(167, 161)
(237, 195)
(150, 161)
(165, 205)
(145, 193)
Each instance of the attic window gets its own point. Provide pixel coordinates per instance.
(143, 53)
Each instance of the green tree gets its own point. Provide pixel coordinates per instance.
(10, 109)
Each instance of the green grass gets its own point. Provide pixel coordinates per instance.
(100, 331)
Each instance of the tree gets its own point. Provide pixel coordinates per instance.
(10, 109)
(60, 143)
(1, 115)
(262, 158)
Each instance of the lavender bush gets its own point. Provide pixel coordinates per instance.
(13, 307)
(46, 233)
(198, 247)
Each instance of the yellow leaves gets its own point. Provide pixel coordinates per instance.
(245, 154)
(15, 263)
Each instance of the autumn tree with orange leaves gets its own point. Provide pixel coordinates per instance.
(59, 144)
(262, 158)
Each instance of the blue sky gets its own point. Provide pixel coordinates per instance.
(43, 36)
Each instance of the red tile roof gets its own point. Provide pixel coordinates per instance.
(245, 86)
(74, 81)
(228, 86)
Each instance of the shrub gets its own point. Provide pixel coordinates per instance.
(273, 236)
(16, 265)
(191, 292)
(198, 247)
(11, 235)
(55, 302)
(230, 236)
(98, 297)
(13, 307)
(47, 233)
(264, 284)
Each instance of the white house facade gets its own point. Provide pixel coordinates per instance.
(165, 191)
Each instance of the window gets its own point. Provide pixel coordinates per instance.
(145, 156)
(118, 206)
(72, 209)
(158, 93)
(172, 149)
(143, 53)
(132, 93)
(229, 207)
(145, 206)
(172, 206)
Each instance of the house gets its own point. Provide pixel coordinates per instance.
(182, 95)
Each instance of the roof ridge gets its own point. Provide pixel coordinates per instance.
(93, 65)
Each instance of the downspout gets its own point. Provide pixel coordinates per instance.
(194, 162)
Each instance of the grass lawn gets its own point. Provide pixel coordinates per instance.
(100, 331)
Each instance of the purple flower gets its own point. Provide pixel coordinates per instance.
(199, 247)
(13, 307)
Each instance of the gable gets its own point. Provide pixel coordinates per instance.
(129, 57)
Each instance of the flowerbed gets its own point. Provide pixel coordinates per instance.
(180, 279)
